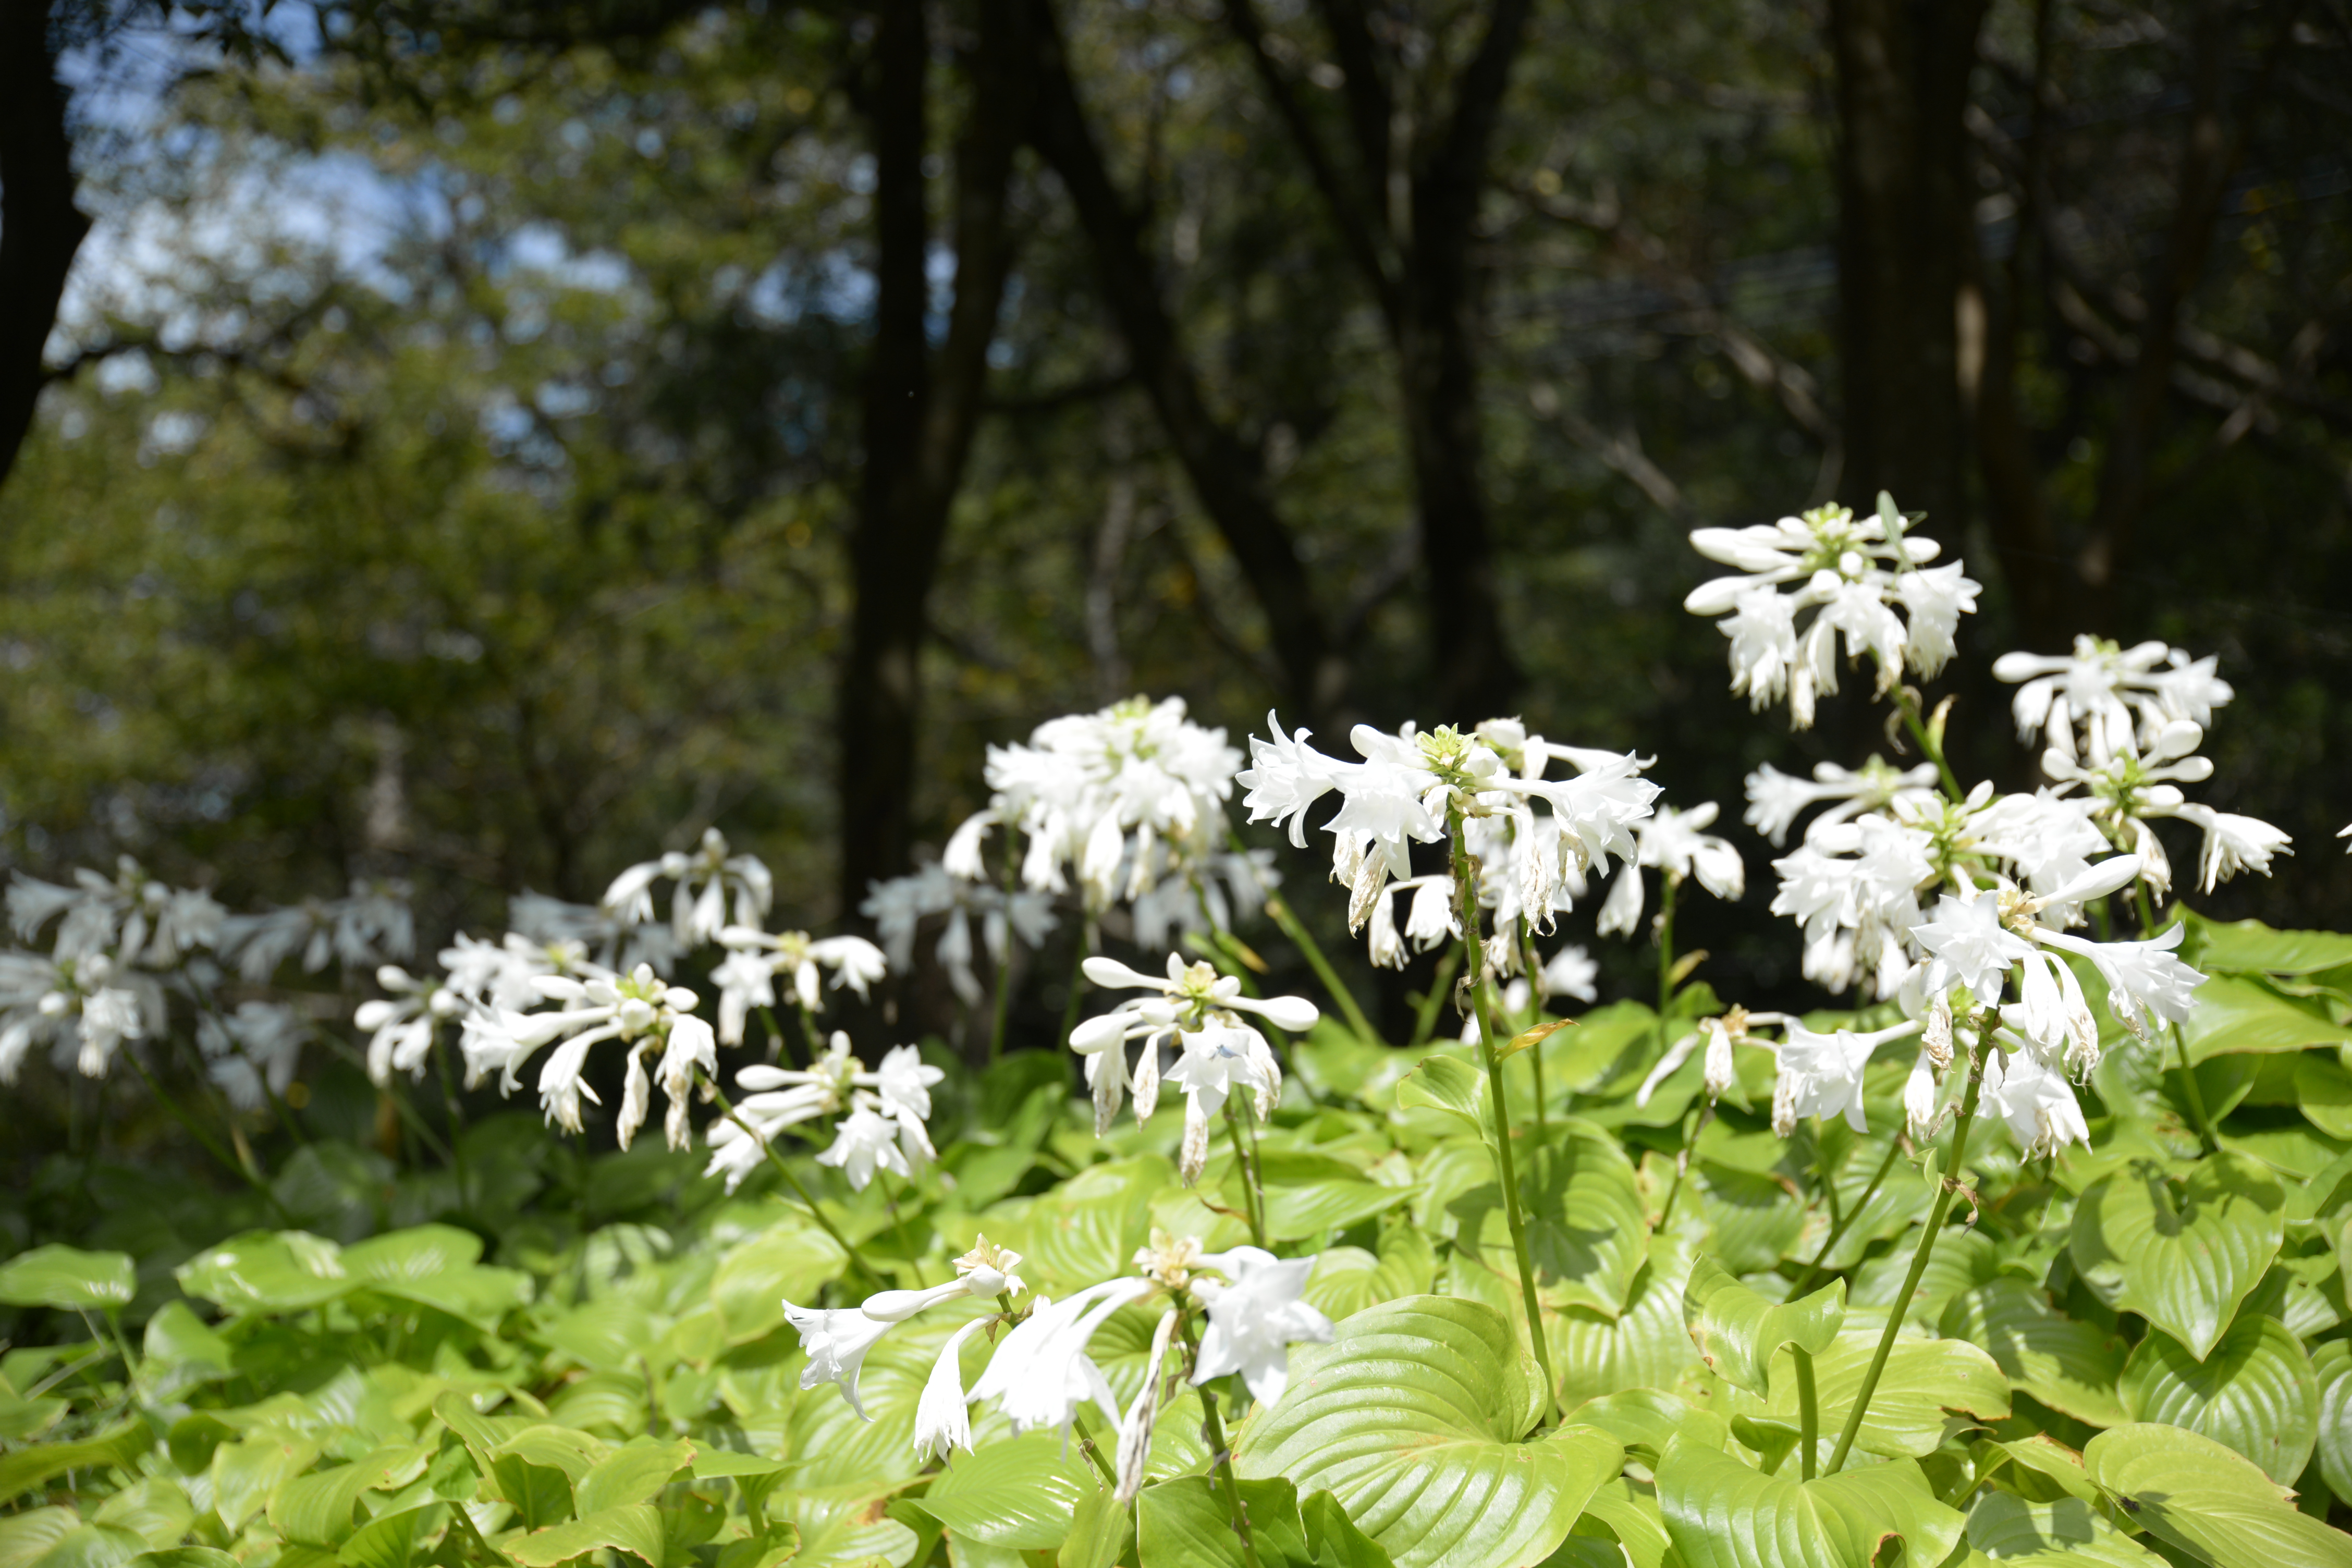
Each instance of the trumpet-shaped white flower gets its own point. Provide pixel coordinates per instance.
(1821, 1075)
(2036, 1101)
(1775, 799)
(1570, 971)
(374, 924)
(1718, 1035)
(2090, 704)
(712, 883)
(756, 960)
(1201, 1013)
(1851, 572)
(261, 1042)
(83, 1009)
(1255, 1319)
(402, 1025)
(897, 908)
(942, 1425)
(1969, 945)
(637, 1009)
(883, 1113)
(130, 916)
(1671, 841)
(2144, 979)
(1041, 1373)
(600, 935)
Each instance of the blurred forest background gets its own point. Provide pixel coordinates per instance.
(481, 442)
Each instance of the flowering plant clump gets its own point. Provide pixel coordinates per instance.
(2029, 1243)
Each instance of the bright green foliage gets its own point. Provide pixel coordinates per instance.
(2137, 1355)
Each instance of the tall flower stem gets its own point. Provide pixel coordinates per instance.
(1253, 1187)
(1908, 701)
(1841, 1224)
(780, 1049)
(1003, 963)
(1466, 893)
(808, 1201)
(1286, 921)
(1220, 1458)
(1535, 1056)
(1936, 1217)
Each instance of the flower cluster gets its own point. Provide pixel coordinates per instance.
(898, 907)
(882, 1113)
(1218, 1051)
(1850, 574)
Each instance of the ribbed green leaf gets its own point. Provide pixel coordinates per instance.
(2182, 1254)
(2255, 1392)
(636, 1529)
(789, 1261)
(1629, 1512)
(2251, 947)
(30, 1467)
(1929, 1389)
(1334, 1538)
(268, 1271)
(1646, 1346)
(1751, 1221)
(1414, 1417)
(1087, 1229)
(2234, 1015)
(1738, 1330)
(315, 1510)
(244, 1474)
(2331, 1366)
(1309, 1194)
(1020, 1493)
(1448, 1084)
(69, 1279)
(1721, 1514)
(393, 1539)
(1188, 1523)
(634, 1473)
(156, 1510)
(2069, 1366)
(2199, 1496)
(2067, 1533)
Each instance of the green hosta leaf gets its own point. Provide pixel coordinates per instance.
(2331, 1366)
(1630, 1512)
(244, 1474)
(1587, 1235)
(28, 1468)
(2255, 1393)
(786, 1262)
(612, 1333)
(1752, 1222)
(2067, 1533)
(2233, 1015)
(92, 1546)
(315, 1510)
(25, 1537)
(2184, 1253)
(180, 1350)
(1738, 1330)
(156, 1511)
(393, 1539)
(1646, 1347)
(69, 1279)
(2069, 1366)
(1448, 1084)
(2251, 947)
(1721, 1514)
(634, 1473)
(1023, 1493)
(1929, 1388)
(778, 1546)
(1462, 1489)
(1646, 1420)
(840, 1531)
(1100, 1534)
(636, 1529)
(1087, 1229)
(1309, 1194)
(184, 1557)
(2196, 1495)
(1188, 1523)
(418, 1253)
(1346, 1281)
(1334, 1540)
(268, 1271)
(2323, 1093)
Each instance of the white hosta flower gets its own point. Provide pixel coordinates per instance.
(636, 1009)
(2052, 1017)
(1821, 1075)
(2108, 692)
(1851, 572)
(372, 925)
(1670, 842)
(130, 916)
(260, 1044)
(2233, 843)
(898, 907)
(864, 1142)
(599, 934)
(1921, 1116)
(1134, 1429)
(1775, 799)
(883, 1128)
(401, 1026)
(837, 1339)
(756, 960)
(1041, 1373)
(2036, 1101)
(1570, 971)
(2144, 979)
(1718, 1036)
(712, 885)
(942, 1425)
(1255, 1319)
(1968, 944)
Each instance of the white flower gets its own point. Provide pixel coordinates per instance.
(2108, 691)
(897, 908)
(2037, 1104)
(261, 1042)
(738, 884)
(882, 1129)
(1718, 1036)
(1969, 946)
(1775, 799)
(130, 916)
(370, 926)
(863, 1143)
(1041, 1373)
(2233, 843)
(1921, 1117)
(594, 1005)
(1570, 971)
(1254, 1321)
(400, 1027)
(755, 958)
(1135, 1430)
(941, 1424)
(2143, 977)
(2052, 1015)
(1850, 571)
(1821, 1075)
(836, 1339)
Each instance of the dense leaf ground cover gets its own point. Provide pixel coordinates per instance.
(2126, 1355)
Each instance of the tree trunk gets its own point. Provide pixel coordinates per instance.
(40, 227)
(920, 417)
(1906, 220)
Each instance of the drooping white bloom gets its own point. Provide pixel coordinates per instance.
(1134, 1429)
(401, 1026)
(2143, 978)
(1671, 841)
(1718, 1035)
(83, 1009)
(941, 1423)
(259, 1042)
(1775, 799)
(2037, 1102)
(1255, 1319)
(836, 1341)
(882, 1128)
(897, 908)
(1968, 944)
(2107, 693)
(1571, 972)
(711, 884)
(372, 926)
(756, 959)
(1041, 1373)
(1202, 1014)
(1851, 572)
(866, 1142)
(600, 935)
(1821, 1075)
(1921, 1117)
(2233, 843)
(637, 1009)
(131, 917)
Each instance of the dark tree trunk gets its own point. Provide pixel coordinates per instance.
(1905, 223)
(1225, 473)
(920, 416)
(40, 227)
